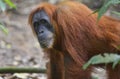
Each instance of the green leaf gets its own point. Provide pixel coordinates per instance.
(103, 59)
(95, 78)
(115, 63)
(105, 6)
(117, 13)
(2, 5)
(115, 1)
(5, 30)
(94, 12)
(10, 3)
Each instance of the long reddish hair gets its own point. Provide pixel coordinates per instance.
(81, 36)
(77, 32)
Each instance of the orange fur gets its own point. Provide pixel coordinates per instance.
(78, 37)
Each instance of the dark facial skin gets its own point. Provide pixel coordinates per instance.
(43, 29)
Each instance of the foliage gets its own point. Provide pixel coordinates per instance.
(106, 5)
(3, 7)
(95, 78)
(117, 13)
(3, 4)
(10, 4)
(5, 30)
(103, 59)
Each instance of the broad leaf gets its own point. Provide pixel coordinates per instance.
(103, 59)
